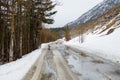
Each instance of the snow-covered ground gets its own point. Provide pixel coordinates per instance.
(16, 70)
(63, 62)
(106, 46)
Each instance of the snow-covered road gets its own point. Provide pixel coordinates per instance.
(63, 62)
(92, 67)
(63, 70)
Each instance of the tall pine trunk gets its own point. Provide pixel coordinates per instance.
(3, 36)
(28, 34)
(20, 25)
(12, 33)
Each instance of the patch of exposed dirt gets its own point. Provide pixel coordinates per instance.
(47, 76)
(117, 72)
(98, 61)
(83, 54)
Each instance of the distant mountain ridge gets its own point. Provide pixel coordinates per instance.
(95, 12)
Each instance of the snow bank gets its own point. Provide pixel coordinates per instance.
(107, 46)
(16, 70)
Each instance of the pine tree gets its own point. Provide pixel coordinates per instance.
(43, 12)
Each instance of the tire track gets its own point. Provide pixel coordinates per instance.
(63, 71)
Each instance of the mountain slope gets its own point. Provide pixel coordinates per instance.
(95, 12)
(106, 22)
(100, 35)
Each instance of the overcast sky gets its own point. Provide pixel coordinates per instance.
(69, 10)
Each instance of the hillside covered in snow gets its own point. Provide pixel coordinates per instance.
(100, 35)
(103, 38)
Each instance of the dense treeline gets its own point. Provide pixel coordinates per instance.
(21, 28)
(63, 32)
(60, 31)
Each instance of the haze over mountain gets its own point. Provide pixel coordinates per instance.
(95, 12)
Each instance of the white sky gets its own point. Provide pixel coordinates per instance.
(69, 10)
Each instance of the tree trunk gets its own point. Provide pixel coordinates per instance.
(12, 33)
(28, 41)
(20, 25)
(3, 36)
